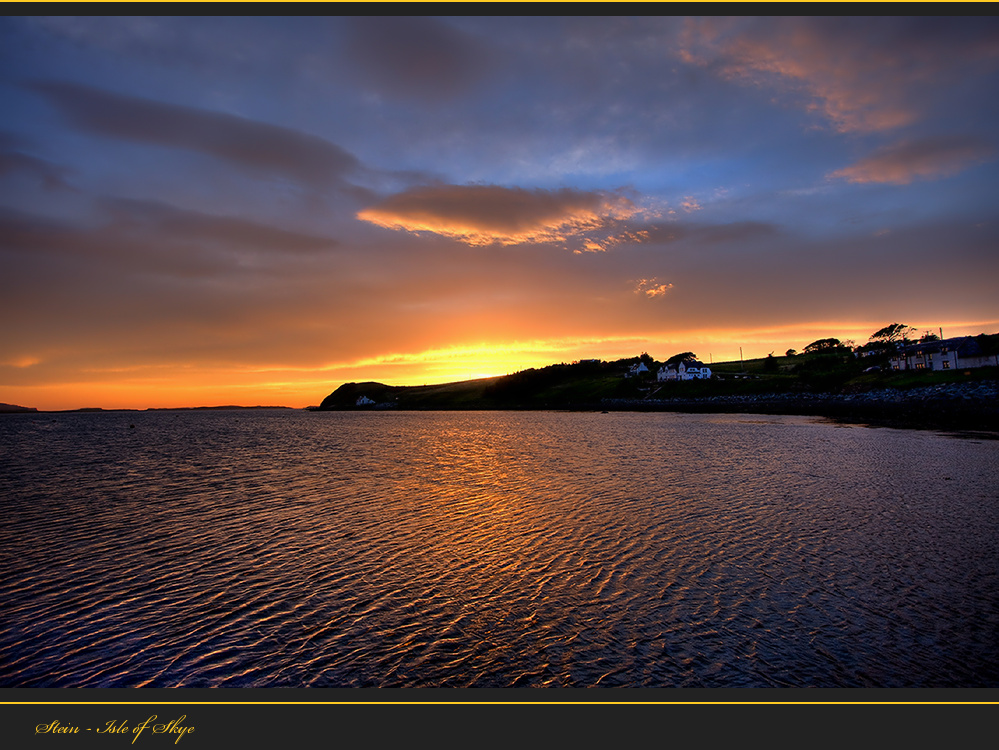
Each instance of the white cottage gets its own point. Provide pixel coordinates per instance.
(690, 369)
(637, 369)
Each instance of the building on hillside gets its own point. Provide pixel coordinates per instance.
(637, 369)
(962, 352)
(690, 369)
(667, 372)
(364, 401)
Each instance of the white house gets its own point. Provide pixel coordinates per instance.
(690, 369)
(667, 372)
(637, 369)
(695, 370)
(364, 401)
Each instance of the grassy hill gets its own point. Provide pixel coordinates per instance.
(580, 385)
(588, 385)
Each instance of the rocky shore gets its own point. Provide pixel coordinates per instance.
(964, 406)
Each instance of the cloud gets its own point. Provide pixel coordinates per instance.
(22, 362)
(652, 287)
(925, 159)
(160, 220)
(253, 145)
(862, 74)
(51, 176)
(488, 214)
(158, 240)
(414, 56)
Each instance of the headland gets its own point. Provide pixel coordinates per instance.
(966, 400)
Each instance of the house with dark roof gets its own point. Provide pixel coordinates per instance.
(961, 352)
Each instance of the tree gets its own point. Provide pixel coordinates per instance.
(892, 334)
(682, 357)
(790, 353)
(824, 345)
(890, 339)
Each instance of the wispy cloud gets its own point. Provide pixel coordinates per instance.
(925, 159)
(861, 74)
(159, 220)
(51, 176)
(256, 146)
(652, 287)
(140, 237)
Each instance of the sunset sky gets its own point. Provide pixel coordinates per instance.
(204, 211)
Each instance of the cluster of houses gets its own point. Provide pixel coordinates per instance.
(961, 352)
(690, 369)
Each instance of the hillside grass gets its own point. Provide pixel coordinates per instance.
(586, 385)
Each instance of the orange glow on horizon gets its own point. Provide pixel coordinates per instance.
(298, 386)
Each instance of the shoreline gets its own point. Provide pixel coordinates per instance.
(969, 407)
(963, 408)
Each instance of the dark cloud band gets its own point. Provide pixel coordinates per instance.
(254, 145)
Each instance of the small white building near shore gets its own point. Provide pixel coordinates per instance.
(637, 369)
(690, 369)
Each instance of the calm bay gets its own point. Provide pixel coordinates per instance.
(282, 548)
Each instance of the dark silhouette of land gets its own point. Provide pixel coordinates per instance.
(14, 409)
(834, 384)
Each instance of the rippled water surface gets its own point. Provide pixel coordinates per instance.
(288, 548)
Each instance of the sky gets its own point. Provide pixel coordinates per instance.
(209, 211)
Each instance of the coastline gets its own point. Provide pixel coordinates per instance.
(969, 407)
(954, 407)
(972, 407)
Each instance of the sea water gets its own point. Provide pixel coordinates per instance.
(287, 548)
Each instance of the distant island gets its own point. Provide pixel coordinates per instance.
(210, 408)
(886, 384)
(11, 409)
